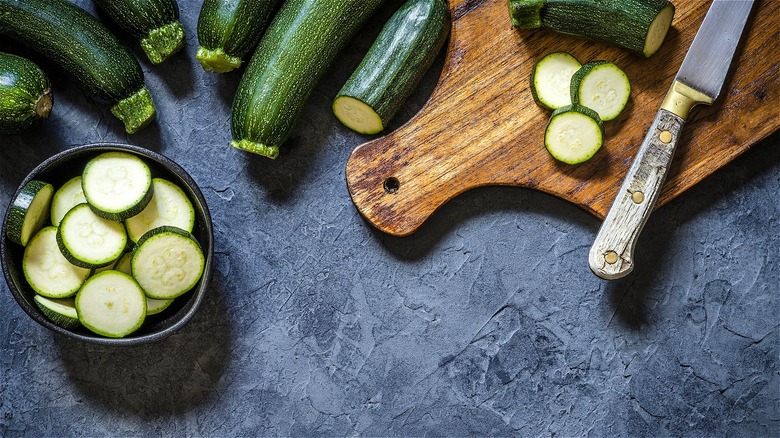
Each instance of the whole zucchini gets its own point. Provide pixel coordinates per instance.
(639, 26)
(295, 51)
(393, 66)
(25, 94)
(106, 71)
(154, 22)
(229, 29)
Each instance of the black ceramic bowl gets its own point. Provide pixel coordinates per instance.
(69, 163)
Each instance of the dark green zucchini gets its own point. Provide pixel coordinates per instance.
(229, 29)
(154, 22)
(25, 94)
(298, 47)
(636, 25)
(393, 66)
(106, 71)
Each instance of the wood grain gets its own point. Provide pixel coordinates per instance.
(481, 126)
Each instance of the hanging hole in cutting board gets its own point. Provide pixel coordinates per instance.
(391, 185)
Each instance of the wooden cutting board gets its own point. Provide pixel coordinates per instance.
(481, 125)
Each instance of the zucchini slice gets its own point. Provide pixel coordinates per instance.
(88, 240)
(66, 197)
(30, 211)
(169, 206)
(394, 65)
(639, 26)
(167, 262)
(117, 185)
(601, 86)
(47, 271)
(153, 306)
(551, 80)
(61, 311)
(111, 304)
(574, 134)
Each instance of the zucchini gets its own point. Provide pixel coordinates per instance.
(88, 240)
(601, 86)
(153, 306)
(66, 197)
(29, 211)
(574, 134)
(154, 22)
(111, 304)
(229, 29)
(107, 71)
(300, 44)
(61, 311)
(47, 271)
(639, 26)
(167, 262)
(169, 206)
(393, 66)
(117, 185)
(25, 94)
(551, 80)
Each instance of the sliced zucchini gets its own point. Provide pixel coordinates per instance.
(574, 134)
(47, 271)
(88, 240)
(29, 212)
(153, 306)
(61, 311)
(169, 206)
(167, 262)
(551, 80)
(66, 197)
(601, 86)
(117, 185)
(111, 304)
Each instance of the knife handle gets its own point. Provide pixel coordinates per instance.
(612, 253)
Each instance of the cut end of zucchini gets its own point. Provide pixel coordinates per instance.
(574, 134)
(658, 30)
(256, 148)
(136, 111)
(526, 14)
(357, 115)
(217, 60)
(44, 104)
(163, 42)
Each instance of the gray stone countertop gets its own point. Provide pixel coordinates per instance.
(487, 321)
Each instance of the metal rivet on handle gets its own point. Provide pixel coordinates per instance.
(611, 257)
(637, 197)
(665, 136)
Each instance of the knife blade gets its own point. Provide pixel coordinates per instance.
(698, 81)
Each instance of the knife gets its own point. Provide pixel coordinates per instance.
(699, 81)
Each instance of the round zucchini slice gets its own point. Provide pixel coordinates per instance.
(111, 304)
(117, 185)
(47, 271)
(88, 240)
(29, 212)
(167, 262)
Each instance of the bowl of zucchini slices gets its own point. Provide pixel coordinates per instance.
(108, 243)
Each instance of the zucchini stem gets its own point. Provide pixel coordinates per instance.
(526, 14)
(217, 60)
(163, 42)
(135, 111)
(44, 104)
(256, 148)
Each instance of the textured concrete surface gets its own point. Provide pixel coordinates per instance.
(485, 322)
